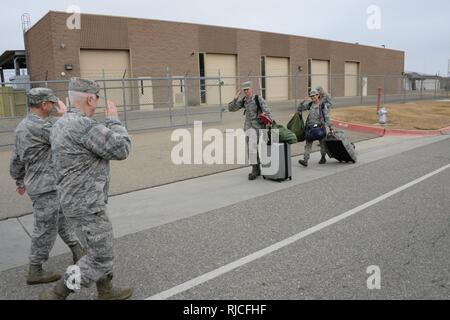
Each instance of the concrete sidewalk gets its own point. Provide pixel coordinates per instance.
(148, 166)
(146, 209)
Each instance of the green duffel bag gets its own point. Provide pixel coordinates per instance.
(297, 126)
(285, 134)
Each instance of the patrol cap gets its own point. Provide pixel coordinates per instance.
(39, 95)
(84, 86)
(313, 93)
(247, 85)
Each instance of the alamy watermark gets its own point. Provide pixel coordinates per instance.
(374, 281)
(234, 147)
(72, 278)
(74, 21)
(374, 19)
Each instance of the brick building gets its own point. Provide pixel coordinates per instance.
(114, 47)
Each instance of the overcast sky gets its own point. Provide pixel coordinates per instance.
(420, 28)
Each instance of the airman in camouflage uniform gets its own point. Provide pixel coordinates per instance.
(82, 150)
(31, 167)
(315, 117)
(248, 102)
(324, 97)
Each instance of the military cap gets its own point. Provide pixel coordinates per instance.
(39, 95)
(313, 93)
(246, 85)
(84, 86)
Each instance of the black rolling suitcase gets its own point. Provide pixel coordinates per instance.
(339, 147)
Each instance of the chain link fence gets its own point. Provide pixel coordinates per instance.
(163, 102)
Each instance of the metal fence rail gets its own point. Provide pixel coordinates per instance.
(163, 102)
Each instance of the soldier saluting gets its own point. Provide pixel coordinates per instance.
(254, 106)
(82, 149)
(31, 166)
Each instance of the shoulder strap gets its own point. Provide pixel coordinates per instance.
(321, 111)
(258, 104)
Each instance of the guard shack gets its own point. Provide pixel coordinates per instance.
(12, 94)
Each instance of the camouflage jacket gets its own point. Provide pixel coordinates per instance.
(251, 111)
(31, 160)
(82, 149)
(326, 99)
(315, 116)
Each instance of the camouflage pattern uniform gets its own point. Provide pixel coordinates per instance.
(251, 111)
(31, 167)
(82, 149)
(251, 116)
(325, 98)
(315, 117)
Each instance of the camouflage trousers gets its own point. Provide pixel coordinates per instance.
(308, 149)
(252, 151)
(49, 221)
(97, 230)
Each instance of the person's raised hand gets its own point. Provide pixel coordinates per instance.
(111, 110)
(60, 108)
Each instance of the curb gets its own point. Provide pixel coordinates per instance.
(389, 132)
(359, 127)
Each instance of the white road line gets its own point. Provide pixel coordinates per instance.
(259, 254)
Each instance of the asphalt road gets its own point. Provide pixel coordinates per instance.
(406, 235)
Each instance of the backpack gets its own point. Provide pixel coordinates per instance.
(258, 104)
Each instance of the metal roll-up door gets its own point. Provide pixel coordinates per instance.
(227, 65)
(351, 79)
(320, 71)
(277, 81)
(111, 64)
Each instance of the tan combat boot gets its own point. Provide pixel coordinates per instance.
(106, 291)
(36, 275)
(59, 292)
(77, 252)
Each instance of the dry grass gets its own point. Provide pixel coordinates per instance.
(421, 115)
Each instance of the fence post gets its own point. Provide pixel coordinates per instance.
(384, 90)
(404, 89)
(186, 105)
(104, 88)
(421, 89)
(220, 97)
(295, 83)
(435, 88)
(361, 88)
(124, 98)
(26, 103)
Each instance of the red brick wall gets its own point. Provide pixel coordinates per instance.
(156, 45)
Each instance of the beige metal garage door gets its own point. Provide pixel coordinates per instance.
(277, 81)
(351, 79)
(320, 71)
(227, 64)
(94, 64)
